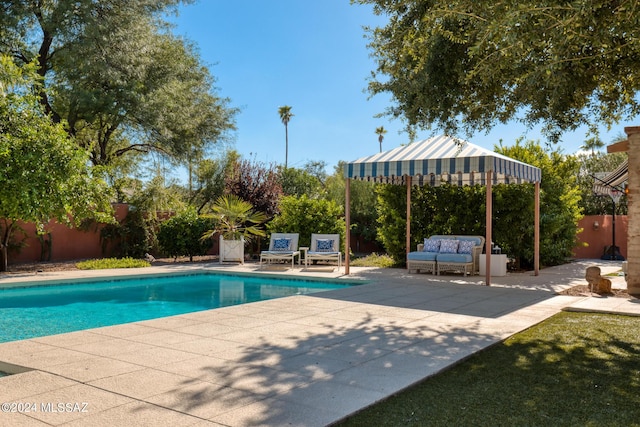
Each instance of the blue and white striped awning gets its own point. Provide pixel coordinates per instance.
(441, 159)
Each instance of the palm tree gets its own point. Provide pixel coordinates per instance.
(593, 144)
(285, 116)
(235, 218)
(381, 131)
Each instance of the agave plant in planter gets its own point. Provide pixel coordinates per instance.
(236, 223)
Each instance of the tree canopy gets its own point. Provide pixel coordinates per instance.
(465, 65)
(114, 72)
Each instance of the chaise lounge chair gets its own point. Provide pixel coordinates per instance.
(282, 247)
(324, 247)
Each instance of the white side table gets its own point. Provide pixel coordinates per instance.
(303, 251)
(498, 264)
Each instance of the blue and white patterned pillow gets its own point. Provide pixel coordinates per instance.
(324, 245)
(448, 246)
(466, 246)
(282, 244)
(431, 245)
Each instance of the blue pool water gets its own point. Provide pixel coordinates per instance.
(46, 310)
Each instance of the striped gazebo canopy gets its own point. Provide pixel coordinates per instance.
(441, 159)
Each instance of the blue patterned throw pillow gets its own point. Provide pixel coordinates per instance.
(431, 245)
(466, 246)
(281, 244)
(324, 245)
(449, 246)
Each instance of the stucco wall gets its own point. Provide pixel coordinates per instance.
(597, 236)
(72, 244)
(66, 243)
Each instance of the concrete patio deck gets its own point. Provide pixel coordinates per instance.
(307, 360)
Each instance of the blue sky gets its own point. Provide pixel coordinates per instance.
(312, 56)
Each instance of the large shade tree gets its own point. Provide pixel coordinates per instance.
(45, 175)
(117, 76)
(463, 66)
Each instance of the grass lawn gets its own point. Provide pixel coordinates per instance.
(574, 369)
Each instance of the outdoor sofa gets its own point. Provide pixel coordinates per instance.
(442, 253)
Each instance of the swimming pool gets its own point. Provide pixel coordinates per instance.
(30, 312)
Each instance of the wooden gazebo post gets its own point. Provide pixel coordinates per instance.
(536, 231)
(347, 220)
(488, 224)
(408, 234)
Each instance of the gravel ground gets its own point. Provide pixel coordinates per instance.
(584, 290)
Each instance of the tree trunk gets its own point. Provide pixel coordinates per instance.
(4, 246)
(633, 237)
(286, 149)
(3, 253)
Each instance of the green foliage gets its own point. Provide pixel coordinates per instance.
(137, 88)
(392, 219)
(104, 263)
(44, 174)
(235, 218)
(559, 206)
(364, 217)
(298, 182)
(132, 237)
(468, 64)
(450, 209)
(447, 209)
(154, 196)
(181, 235)
(210, 179)
(513, 224)
(307, 216)
(136, 234)
(374, 260)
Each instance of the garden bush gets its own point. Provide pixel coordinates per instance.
(306, 216)
(181, 235)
